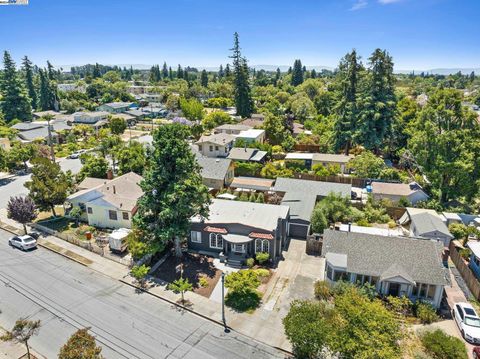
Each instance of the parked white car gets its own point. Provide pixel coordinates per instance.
(468, 322)
(23, 242)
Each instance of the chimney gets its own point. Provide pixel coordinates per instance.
(114, 189)
(110, 174)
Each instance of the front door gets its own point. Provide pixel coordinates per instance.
(393, 289)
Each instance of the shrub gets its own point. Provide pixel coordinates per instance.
(260, 198)
(242, 295)
(262, 272)
(250, 262)
(139, 273)
(203, 282)
(262, 257)
(391, 224)
(425, 312)
(465, 253)
(400, 305)
(443, 346)
(363, 223)
(319, 221)
(322, 290)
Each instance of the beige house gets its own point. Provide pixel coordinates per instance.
(108, 203)
(395, 191)
(4, 143)
(218, 145)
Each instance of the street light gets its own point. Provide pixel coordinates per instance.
(226, 330)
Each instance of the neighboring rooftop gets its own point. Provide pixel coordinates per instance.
(428, 223)
(213, 168)
(259, 215)
(251, 133)
(246, 154)
(258, 184)
(397, 189)
(233, 127)
(217, 139)
(329, 157)
(386, 257)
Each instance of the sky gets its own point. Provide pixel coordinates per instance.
(419, 34)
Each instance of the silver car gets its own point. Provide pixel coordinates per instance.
(23, 242)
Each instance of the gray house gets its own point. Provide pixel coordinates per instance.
(235, 231)
(301, 196)
(430, 226)
(397, 266)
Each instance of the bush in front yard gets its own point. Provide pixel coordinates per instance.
(250, 262)
(242, 294)
(322, 290)
(465, 253)
(425, 312)
(262, 257)
(443, 346)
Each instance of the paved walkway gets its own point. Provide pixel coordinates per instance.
(12, 350)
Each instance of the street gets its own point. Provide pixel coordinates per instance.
(15, 185)
(66, 296)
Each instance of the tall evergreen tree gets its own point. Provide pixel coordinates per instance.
(96, 71)
(28, 71)
(297, 73)
(278, 74)
(228, 72)
(204, 78)
(185, 75)
(47, 100)
(179, 72)
(170, 73)
(51, 71)
(221, 73)
(313, 74)
(243, 97)
(15, 102)
(164, 70)
(348, 78)
(378, 102)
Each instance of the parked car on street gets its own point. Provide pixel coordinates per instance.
(468, 322)
(76, 154)
(23, 242)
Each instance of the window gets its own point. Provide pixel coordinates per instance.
(125, 216)
(112, 215)
(339, 275)
(199, 147)
(262, 245)
(89, 210)
(226, 150)
(82, 206)
(422, 290)
(239, 248)
(329, 272)
(196, 237)
(216, 241)
(431, 292)
(211, 148)
(216, 148)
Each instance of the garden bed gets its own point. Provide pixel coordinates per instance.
(195, 266)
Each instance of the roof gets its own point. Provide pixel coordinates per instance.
(397, 189)
(426, 223)
(299, 156)
(252, 122)
(251, 133)
(329, 157)
(45, 113)
(301, 195)
(246, 154)
(258, 215)
(259, 184)
(233, 127)
(213, 168)
(91, 182)
(30, 135)
(474, 247)
(123, 115)
(217, 139)
(25, 126)
(117, 104)
(135, 112)
(417, 260)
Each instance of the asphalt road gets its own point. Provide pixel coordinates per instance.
(66, 296)
(15, 186)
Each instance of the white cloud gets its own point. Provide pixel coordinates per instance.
(385, 2)
(360, 4)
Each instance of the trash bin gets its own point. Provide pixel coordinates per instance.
(88, 235)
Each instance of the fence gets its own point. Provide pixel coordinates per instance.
(465, 271)
(88, 245)
(306, 148)
(314, 245)
(355, 182)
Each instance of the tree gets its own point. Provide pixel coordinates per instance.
(181, 286)
(132, 158)
(164, 70)
(96, 71)
(22, 210)
(21, 153)
(48, 96)
(378, 102)
(216, 118)
(297, 73)
(48, 186)
(15, 102)
(275, 129)
(117, 125)
(22, 331)
(319, 221)
(173, 189)
(191, 109)
(243, 97)
(367, 165)
(28, 71)
(204, 78)
(80, 345)
(346, 110)
(179, 72)
(76, 214)
(94, 166)
(140, 273)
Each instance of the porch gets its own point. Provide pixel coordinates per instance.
(236, 250)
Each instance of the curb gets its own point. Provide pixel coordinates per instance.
(203, 316)
(62, 254)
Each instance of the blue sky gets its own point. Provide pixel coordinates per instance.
(420, 34)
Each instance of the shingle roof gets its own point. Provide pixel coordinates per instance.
(218, 139)
(329, 157)
(213, 168)
(398, 189)
(25, 126)
(427, 223)
(246, 154)
(233, 126)
(417, 259)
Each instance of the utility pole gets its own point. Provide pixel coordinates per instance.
(226, 330)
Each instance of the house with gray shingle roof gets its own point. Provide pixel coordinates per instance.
(430, 226)
(217, 173)
(245, 154)
(397, 266)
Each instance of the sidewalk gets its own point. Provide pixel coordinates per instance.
(12, 350)
(263, 325)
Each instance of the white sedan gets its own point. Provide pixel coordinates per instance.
(468, 322)
(23, 242)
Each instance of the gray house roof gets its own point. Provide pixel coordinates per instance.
(427, 223)
(301, 195)
(246, 154)
(213, 168)
(416, 260)
(27, 126)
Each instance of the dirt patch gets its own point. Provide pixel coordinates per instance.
(195, 266)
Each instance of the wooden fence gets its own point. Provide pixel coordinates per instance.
(314, 245)
(465, 271)
(307, 148)
(355, 182)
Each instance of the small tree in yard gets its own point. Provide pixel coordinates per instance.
(76, 213)
(80, 345)
(139, 273)
(181, 286)
(22, 331)
(22, 210)
(117, 125)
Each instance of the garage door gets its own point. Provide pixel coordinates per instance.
(297, 230)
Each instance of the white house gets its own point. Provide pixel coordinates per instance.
(218, 145)
(108, 203)
(252, 135)
(396, 266)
